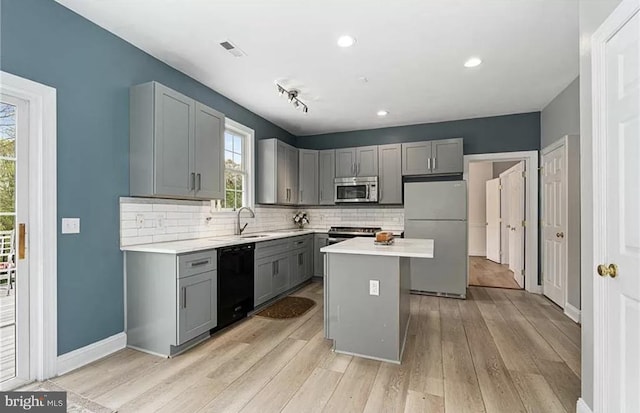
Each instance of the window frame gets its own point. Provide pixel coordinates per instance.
(248, 135)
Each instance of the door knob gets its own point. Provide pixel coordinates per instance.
(561, 234)
(611, 270)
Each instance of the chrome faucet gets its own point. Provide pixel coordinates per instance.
(239, 229)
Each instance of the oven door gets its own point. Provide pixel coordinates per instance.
(335, 240)
(352, 192)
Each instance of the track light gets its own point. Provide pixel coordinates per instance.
(292, 97)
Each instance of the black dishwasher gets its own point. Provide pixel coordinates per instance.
(235, 283)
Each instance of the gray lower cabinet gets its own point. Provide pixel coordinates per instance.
(439, 157)
(171, 300)
(308, 177)
(326, 175)
(390, 174)
(281, 265)
(277, 173)
(319, 241)
(176, 146)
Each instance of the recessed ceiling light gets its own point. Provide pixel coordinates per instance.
(346, 41)
(382, 113)
(473, 62)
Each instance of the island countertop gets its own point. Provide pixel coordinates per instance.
(402, 247)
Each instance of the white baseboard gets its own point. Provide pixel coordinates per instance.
(581, 406)
(88, 354)
(572, 312)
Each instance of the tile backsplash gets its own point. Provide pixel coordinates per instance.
(150, 220)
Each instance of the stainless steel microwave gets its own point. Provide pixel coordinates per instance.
(357, 189)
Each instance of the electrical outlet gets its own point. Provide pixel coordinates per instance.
(374, 287)
(70, 225)
(139, 221)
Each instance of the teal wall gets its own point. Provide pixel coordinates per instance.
(508, 133)
(92, 71)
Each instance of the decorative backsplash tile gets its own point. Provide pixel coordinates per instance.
(149, 220)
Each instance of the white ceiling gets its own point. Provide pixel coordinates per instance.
(411, 51)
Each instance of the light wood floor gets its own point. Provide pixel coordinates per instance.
(498, 351)
(486, 273)
(7, 334)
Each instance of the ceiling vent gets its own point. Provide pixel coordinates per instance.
(232, 48)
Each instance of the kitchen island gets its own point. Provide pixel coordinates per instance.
(366, 295)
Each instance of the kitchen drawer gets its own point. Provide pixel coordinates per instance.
(301, 242)
(196, 263)
(269, 248)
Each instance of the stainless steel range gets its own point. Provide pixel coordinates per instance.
(337, 234)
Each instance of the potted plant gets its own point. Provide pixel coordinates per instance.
(301, 219)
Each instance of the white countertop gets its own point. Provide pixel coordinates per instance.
(403, 247)
(201, 244)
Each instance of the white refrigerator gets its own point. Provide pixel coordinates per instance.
(438, 211)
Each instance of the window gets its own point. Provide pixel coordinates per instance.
(238, 166)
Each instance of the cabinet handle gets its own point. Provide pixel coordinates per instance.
(273, 269)
(300, 196)
(199, 181)
(184, 297)
(300, 259)
(193, 181)
(199, 263)
(434, 163)
(321, 197)
(429, 163)
(358, 169)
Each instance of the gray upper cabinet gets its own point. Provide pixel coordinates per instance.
(277, 173)
(345, 163)
(367, 161)
(308, 177)
(416, 158)
(447, 156)
(175, 145)
(326, 174)
(360, 161)
(209, 140)
(438, 157)
(390, 174)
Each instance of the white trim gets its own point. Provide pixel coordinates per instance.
(88, 354)
(530, 159)
(582, 407)
(572, 312)
(42, 234)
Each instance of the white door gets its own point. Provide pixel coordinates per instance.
(505, 226)
(493, 219)
(14, 288)
(554, 225)
(516, 220)
(616, 201)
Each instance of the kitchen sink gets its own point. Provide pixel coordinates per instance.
(254, 236)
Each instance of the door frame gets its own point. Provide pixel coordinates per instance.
(530, 159)
(42, 234)
(602, 352)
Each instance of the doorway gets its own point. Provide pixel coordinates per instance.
(503, 205)
(496, 214)
(14, 206)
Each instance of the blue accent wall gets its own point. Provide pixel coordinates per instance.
(92, 71)
(508, 133)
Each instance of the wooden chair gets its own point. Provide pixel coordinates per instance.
(7, 259)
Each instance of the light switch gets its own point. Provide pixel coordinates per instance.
(374, 287)
(70, 225)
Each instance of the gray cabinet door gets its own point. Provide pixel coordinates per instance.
(282, 174)
(345, 163)
(174, 148)
(281, 274)
(320, 240)
(209, 153)
(447, 156)
(301, 265)
(390, 174)
(263, 280)
(367, 161)
(308, 177)
(326, 174)
(197, 311)
(416, 158)
(292, 174)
